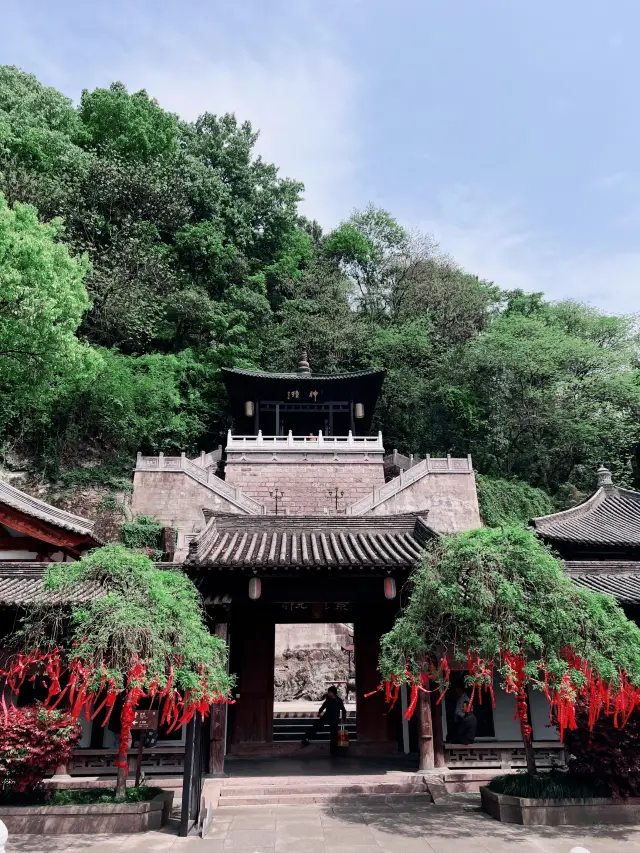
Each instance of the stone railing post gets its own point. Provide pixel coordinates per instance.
(138, 460)
(160, 460)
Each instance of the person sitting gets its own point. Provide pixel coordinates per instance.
(465, 730)
(329, 714)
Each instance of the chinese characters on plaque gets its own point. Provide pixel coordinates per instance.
(295, 395)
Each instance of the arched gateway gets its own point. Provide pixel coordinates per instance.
(304, 528)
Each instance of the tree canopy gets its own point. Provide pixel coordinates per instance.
(497, 599)
(142, 636)
(194, 256)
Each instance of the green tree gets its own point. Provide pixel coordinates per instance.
(142, 636)
(42, 302)
(496, 597)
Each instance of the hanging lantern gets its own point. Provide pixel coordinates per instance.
(255, 589)
(249, 409)
(389, 588)
(359, 411)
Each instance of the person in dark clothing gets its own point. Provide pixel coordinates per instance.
(465, 731)
(331, 710)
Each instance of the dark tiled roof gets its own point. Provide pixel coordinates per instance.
(620, 578)
(23, 583)
(45, 512)
(609, 517)
(326, 541)
(314, 377)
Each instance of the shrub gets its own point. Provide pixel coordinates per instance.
(143, 532)
(510, 501)
(556, 785)
(608, 753)
(34, 742)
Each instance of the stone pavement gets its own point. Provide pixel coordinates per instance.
(332, 828)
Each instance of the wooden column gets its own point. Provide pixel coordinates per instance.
(425, 733)
(438, 735)
(254, 644)
(218, 721)
(374, 723)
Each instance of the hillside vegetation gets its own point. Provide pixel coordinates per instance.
(139, 253)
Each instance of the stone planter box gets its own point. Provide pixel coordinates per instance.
(90, 819)
(522, 810)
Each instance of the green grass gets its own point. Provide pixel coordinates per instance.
(555, 785)
(76, 797)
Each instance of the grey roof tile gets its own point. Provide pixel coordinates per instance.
(319, 541)
(23, 502)
(611, 516)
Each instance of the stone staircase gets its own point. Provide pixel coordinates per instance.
(356, 790)
(290, 728)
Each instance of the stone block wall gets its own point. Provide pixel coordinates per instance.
(306, 484)
(177, 500)
(450, 498)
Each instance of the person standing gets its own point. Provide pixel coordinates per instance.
(331, 710)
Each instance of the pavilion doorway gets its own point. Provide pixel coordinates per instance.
(309, 658)
(255, 726)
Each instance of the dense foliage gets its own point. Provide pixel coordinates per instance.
(554, 785)
(34, 741)
(497, 599)
(143, 531)
(607, 752)
(143, 637)
(194, 256)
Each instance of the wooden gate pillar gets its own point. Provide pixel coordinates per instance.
(374, 724)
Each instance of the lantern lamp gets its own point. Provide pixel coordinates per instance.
(249, 409)
(255, 589)
(359, 411)
(389, 588)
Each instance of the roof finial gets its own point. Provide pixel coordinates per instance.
(303, 365)
(604, 477)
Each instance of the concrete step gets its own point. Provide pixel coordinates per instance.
(309, 788)
(343, 799)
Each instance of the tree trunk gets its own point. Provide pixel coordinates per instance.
(122, 763)
(522, 705)
(438, 736)
(425, 733)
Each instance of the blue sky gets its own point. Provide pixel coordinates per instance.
(505, 128)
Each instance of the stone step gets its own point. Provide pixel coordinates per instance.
(344, 799)
(310, 788)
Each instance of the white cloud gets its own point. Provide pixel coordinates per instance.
(300, 99)
(495, 242)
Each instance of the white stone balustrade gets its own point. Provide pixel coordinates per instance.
(306, 443)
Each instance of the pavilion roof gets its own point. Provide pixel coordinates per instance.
(305, 377)
(23, 584)
(234, 541)
(610, 517)
(620, 578)
(22, 502)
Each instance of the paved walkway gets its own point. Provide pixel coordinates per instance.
(335, 829)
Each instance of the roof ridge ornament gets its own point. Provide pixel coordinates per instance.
(604, 477)
(303, 364)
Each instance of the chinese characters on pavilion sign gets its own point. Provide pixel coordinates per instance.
(295, 395)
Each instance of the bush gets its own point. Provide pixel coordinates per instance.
(143, 532)
(607, 753)
(33, 742)
(504, 502)
(555, 785)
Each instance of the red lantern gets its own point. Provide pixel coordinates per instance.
(389, 588)
(255, 588)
